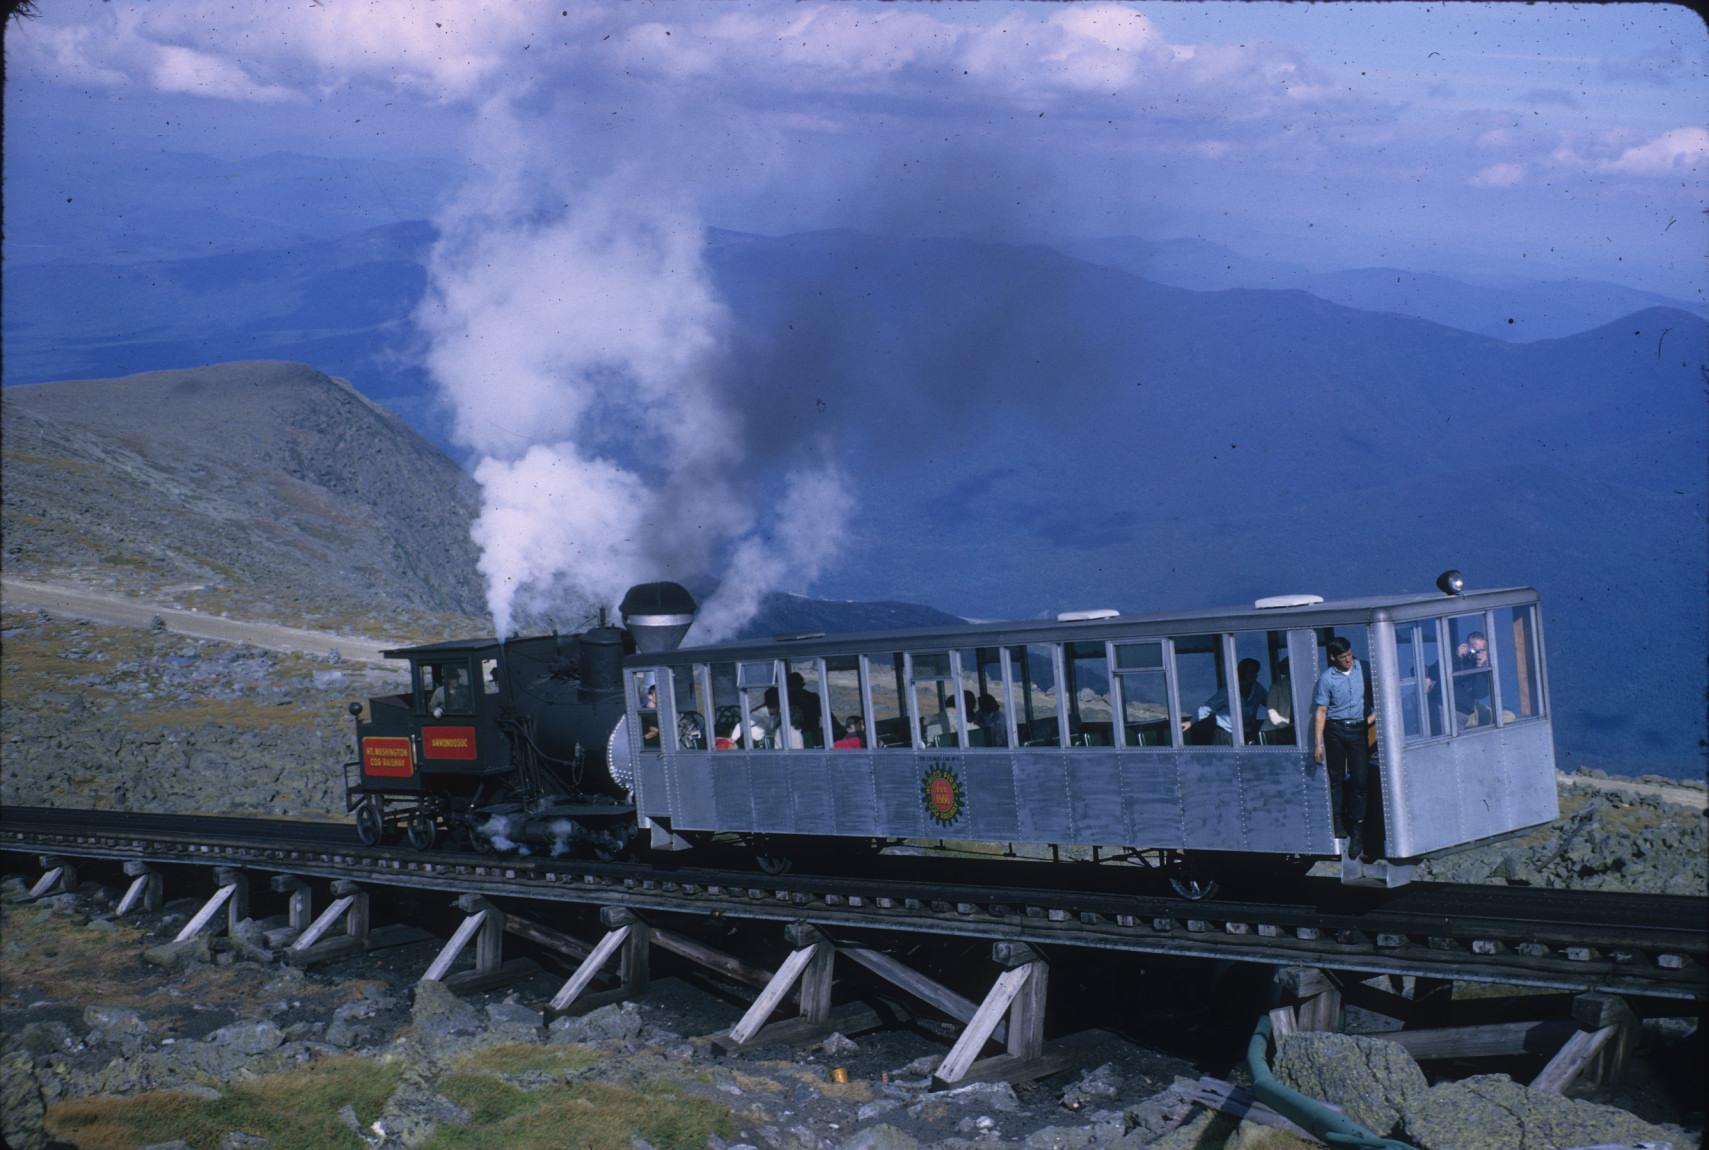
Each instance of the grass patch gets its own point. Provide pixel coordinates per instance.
(232, 714)
(60, 959)
(586, 1116)
(523, 1058)
(296, 1110)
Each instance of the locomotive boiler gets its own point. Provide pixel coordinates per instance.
(512, 743)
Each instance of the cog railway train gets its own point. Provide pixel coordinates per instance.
(1098, 734)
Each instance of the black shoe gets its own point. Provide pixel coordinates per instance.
(1356, 842)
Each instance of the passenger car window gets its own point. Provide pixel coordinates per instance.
(1265, 687)
(647, 707)
(762, 710)
(1472, 678)
(842, 692)
(889, 723)
(1034, 701)
(806, 702)
(689, 695)
(1422, 691)
(1144, 687)
(1091, 718)
(1517, 664)
(982, 676)
(1201, 676)
(932, 692)
(726, 707)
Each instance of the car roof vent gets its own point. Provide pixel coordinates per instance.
(1084, 616)
(1286, 601)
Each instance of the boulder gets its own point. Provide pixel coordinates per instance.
(252, 1037)
(414, 1112)
(438, 1012)
(1373, 1081)
(22, 1107)
(174, 955)
(512, 1021)
(115, 1026)
(1099, 1085)
(1074, 1137)
(1493, 1112)
(881, 1137)
(238, 1140)
(619, 1020)
(40, 1039)
(839, 1043)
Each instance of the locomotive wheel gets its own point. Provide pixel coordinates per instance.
(371, 821)
(774, 864)
(1194, 887)
(422, 829)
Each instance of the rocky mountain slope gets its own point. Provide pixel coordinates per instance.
(265, 484)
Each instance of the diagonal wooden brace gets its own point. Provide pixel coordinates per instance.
(57, 875)
(1020, 991)
(926, 989)
(232, 896)
(629, 938)
(810, 962)
(485, 927)
(147, 889)
(349, 903)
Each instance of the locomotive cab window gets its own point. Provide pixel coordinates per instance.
(443, 688)
(647, 707)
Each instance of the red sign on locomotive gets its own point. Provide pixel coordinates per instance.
(387, 758)
(448, 742)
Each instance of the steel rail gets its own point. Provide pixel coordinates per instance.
(1573, 940)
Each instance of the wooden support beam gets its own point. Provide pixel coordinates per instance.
(232, 897)
(302, 899)
(1021, 991)
(147, 889)
(1283, 1022)
(58, 877)
(1572, 1058)
(1493, 1039)
(927, 990)
(1004, 992)
(350, 903)
(792, 969)
(591, 965)
(547, 937)
(713, 959)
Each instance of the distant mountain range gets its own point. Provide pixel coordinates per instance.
(1511, 309)
(1033, 431)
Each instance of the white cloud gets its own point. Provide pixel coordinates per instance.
(1683, 149)
(1504, 175)
(176, 69)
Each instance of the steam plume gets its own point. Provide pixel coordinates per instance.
(579, 345)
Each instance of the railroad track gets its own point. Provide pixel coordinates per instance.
(1650, 945)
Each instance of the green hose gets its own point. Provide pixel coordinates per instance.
(1322, 1122)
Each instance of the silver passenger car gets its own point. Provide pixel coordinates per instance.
(1177, 736)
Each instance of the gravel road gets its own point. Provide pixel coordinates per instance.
(77, 603)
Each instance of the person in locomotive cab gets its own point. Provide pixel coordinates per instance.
(1252, 696)
(1341, 718)
(452, 693)
(650, 717)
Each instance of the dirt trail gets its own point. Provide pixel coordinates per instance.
(1694, 797)
(74, 602)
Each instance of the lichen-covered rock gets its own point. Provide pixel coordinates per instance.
(1099, 1085)
(253, 1037)
(1074, 1137)
(438, 1012)
(22, 1107)
(414, 1112)
(1255, 1136)
(514, 1022)
(1373, 1081)
(881, 1137)
(1493, 1112)
(115, 1026)
(620, 1020)
(173, 955)
(40, 1039)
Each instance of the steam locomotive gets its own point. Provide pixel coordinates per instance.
(516, 743)
(1134, 735)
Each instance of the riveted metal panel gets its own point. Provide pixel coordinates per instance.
(811, 790)
(896, 777)
(1095, 795)
(769, 776)
(992, 810)
(732, 795)
(1041, 793)
(1210, 789)
(854, 798)
(653, 786)
(1151, 795)
(1275, 819)
(1474, 786)
(693, 802)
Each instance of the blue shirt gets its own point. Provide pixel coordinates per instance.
(1343, 692)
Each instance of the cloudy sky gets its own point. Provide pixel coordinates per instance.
(1468, 138)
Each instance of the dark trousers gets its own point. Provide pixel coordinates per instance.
(1347, 757)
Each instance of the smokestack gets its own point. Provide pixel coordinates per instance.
(658, 615)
